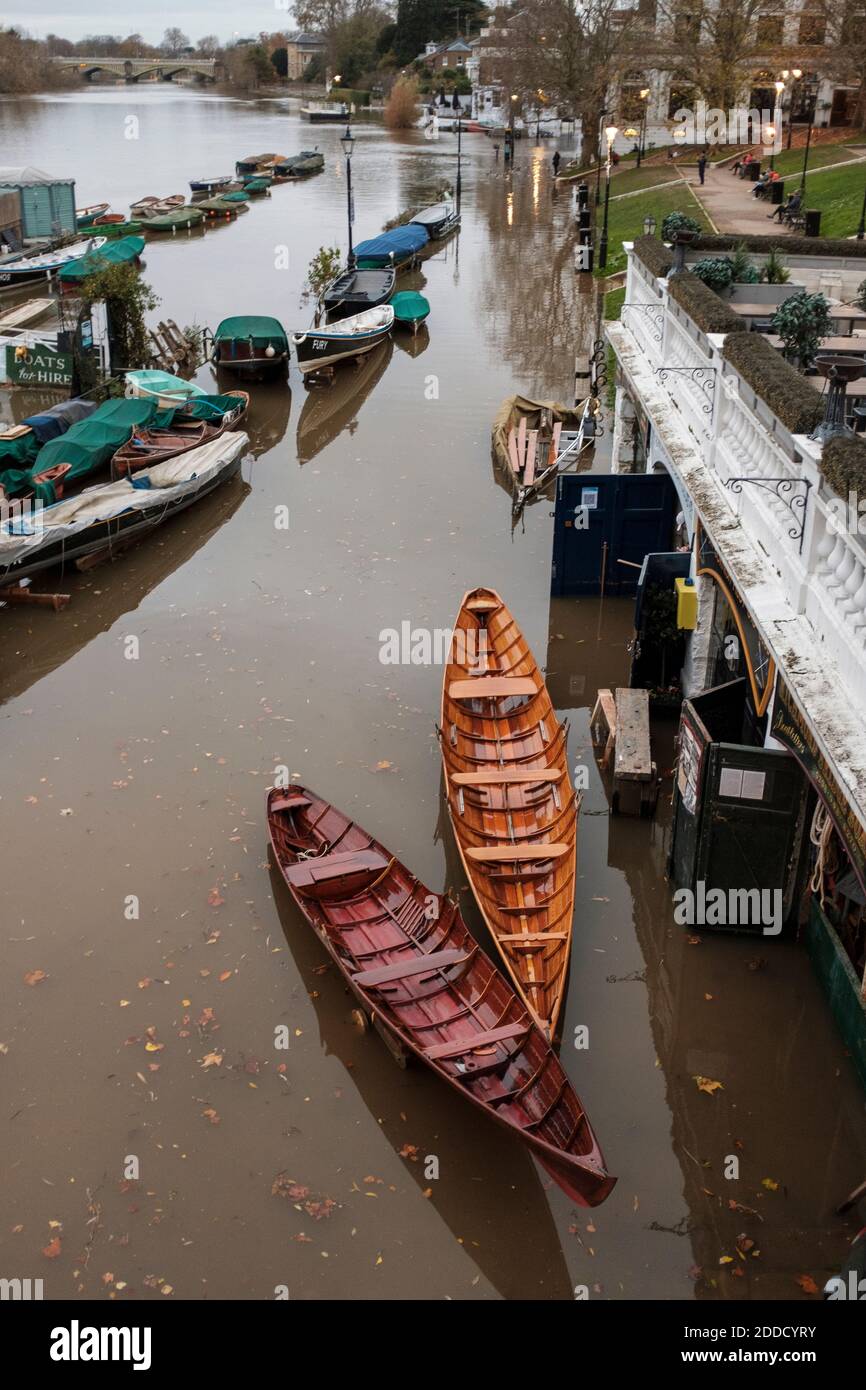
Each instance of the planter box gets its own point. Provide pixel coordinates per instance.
(763, 294)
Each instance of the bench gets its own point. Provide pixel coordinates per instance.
(440, 1052)
(406, 969)
(635, 780)
(310, 873)
(491, 687)
(504, 776)
(503, 854)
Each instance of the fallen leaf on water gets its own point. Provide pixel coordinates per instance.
(770, 1184)
(214, 898)
(35, 977)
(213, 1059)
(807, 1283)
(284, 1186)
(52, 1249)
(211, 1114)
(409, 1151)
(226, 975)
(704, 1083)
(726, 1259)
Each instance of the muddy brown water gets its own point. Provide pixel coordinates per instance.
(145, 779)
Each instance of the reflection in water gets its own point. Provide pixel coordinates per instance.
(105, 594)
(334, 406)
(489, 1192)
(413, 343)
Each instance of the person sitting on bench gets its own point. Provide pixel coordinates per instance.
(786, 212)
(760, 188)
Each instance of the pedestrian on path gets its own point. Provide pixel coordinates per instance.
(556, 162)
(702, 165)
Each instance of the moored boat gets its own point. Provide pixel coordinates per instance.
(535, 440)
(328, 344)
(156, 207)
(21, 270)
(411, 962)
(167, 390)
(236, 196)
(324, 112)
(111, 230)
(299, 165)
(354, 290)
(410, 309)
(511, 804)
(85, 217)
(253, 346)
(255, 162)
(438, 221)
(254, 188)
(210, 186)
(220, 206)
(112, 515)
(398, 248)
(204, 418)
(180, 219)
(122, 251)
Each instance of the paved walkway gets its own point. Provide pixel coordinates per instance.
(730, 205)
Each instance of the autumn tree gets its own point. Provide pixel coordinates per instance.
(843, 23)
(708, 44)
(174, 41)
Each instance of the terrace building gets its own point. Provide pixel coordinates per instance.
(767, 477)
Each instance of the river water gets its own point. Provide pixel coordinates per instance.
(259, 647)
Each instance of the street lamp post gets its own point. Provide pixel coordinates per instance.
(348, 143)
(796, 74)
(459, 153)
(861, 230)
(610, 134)
(598, 169)
(770, 133)
(808, 143)
(644, 96)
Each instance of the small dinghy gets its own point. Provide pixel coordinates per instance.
(330, 343)
(408, 957)
(23, 269)
(252, 346)
(354, 290)
(210, 186)
(85, 217)
(176, 220)
(203, 419)
(410, 309)
(438, 221)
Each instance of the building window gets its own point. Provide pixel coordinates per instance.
(687, 27)
(813, 29)
(770, 28)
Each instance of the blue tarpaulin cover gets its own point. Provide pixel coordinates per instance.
(402, 241)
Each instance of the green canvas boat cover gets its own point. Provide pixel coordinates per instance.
(257, 185)
(210, 407)
(409, 306)
(120, 252)
(119, 229)
(246, 326)
(87, 445)
(20, 452)
(236, 197)
(178, 217)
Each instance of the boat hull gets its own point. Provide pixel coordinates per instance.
(510, 800)
(249, 363)
(318, 350)
(355, 290)
(398, 945)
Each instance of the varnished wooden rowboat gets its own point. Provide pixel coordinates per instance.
(408, 956)
(510, 799)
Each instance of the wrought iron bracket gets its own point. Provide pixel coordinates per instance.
(784, 490)
(703, 377)
(656, 315)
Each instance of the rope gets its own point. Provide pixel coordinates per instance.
(820, 834)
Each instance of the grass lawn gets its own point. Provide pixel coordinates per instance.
(626, 217)
(839, 195)
(647, 176)
(820, 156)
(613, 302)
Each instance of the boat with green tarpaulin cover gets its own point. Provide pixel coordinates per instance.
(410, 309)
(178, 220)
(253, 346)
(122, 252)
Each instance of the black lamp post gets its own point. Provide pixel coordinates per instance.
(459, 154)
(861, 230)
(598, 169)
(796, 74)
(348, 143)
(808, 143)
(610, 134)
(644, 96)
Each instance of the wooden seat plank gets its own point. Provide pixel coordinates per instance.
(535, 936)
(404, 970)
(491, 687)
(328, 866)
(632, 759)
(441, 1051)
(503, 776)
(505, 853)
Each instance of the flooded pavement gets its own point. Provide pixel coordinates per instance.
(147, 1110)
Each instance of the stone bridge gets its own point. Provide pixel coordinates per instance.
(143, 69)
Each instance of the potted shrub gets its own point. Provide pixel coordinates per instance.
(745, 272)
(678, 222)
(775, 271)
(801, 322)
(716, 272)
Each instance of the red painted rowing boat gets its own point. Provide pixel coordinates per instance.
(409, 958)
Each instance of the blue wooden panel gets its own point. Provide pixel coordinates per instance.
(603, 518)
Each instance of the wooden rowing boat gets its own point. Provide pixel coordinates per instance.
(511, 802)
(409, 958)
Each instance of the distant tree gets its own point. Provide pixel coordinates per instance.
(280, 62)
(58, 47)
(845, 53)
(174, 41)
(401, 106)
(208, 46)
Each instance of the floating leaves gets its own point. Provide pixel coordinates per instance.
(704, 1083)
(35, 977)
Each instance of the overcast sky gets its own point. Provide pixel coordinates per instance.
(195, 17)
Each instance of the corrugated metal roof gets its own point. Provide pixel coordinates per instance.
(26, 175)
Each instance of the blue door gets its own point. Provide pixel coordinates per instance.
(604, 525)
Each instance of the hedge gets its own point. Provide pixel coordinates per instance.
(786, 246)
(789, 395)
(843, 464)
(704, 306)
(653, 254)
